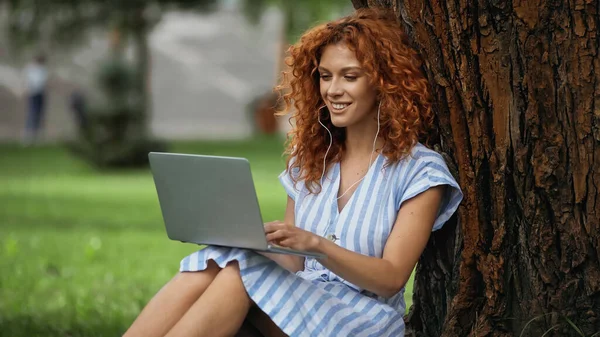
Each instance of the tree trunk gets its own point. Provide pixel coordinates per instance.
(517, 90)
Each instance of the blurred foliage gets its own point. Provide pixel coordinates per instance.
(111, 119)
(299, 15)
(114, 118)
(67, 22)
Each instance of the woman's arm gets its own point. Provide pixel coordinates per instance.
(383, 276)
(289, 262)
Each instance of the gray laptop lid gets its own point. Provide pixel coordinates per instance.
(208, 200)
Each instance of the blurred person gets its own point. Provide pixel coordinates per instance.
(361, 190)
(36, 79)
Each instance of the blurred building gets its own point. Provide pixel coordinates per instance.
(206, 68)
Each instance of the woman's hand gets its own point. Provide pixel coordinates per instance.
(290, 236)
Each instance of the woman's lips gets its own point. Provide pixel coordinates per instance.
(339, 107)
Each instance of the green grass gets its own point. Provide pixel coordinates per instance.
(82, 251)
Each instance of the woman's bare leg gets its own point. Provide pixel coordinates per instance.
(221, 309)
(168, 306)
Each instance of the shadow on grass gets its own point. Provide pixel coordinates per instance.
(55, 326)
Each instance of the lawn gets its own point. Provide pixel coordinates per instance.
(82, 251)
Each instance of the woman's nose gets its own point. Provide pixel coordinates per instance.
(335, 89)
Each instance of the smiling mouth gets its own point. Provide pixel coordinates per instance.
(339, 107)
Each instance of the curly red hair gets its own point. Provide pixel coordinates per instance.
(392, 67)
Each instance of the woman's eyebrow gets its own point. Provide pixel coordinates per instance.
(345, 69)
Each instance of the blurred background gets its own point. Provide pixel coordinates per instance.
(87, 89)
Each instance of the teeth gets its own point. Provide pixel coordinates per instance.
(339, 106)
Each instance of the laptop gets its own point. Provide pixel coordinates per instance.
(211, 200)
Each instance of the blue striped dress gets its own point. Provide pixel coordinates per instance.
(315, 301)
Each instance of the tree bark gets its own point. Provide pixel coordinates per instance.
(517, 90)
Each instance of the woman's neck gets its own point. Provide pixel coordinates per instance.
(359, 140)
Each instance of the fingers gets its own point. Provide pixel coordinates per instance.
(278, 235)
(289, 242)
(286, 235)
(275, 226)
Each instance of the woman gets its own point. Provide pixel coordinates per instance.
(361, 190)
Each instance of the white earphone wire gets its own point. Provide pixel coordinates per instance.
(331, 142)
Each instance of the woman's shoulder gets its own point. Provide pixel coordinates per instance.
(421, 151)
(421, 155)
(419, 162)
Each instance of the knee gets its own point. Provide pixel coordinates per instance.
(199, 278)
(231, 274)
(233, 266)
(231, 278)
(231, 271)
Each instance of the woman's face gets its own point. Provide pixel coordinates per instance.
(345, 87)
